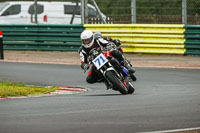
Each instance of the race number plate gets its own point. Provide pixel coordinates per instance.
(99, 61)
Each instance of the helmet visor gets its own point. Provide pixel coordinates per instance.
(87, 41)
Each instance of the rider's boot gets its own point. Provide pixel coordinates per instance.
(128, 66)
(130, 69)
(133, 77)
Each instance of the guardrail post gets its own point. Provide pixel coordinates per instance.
(133, 11)
(184, 11)
(1, 45)
(82, 11)
(35, 11)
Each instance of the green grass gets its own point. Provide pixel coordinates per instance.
(17, 89)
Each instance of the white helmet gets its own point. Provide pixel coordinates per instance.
(87, 38)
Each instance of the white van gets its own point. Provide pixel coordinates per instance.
(22, 12)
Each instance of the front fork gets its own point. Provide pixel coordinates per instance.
(120, 75)
(108, 67)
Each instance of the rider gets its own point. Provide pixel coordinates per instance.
(125, 62)
(117, 42)
(88, 43)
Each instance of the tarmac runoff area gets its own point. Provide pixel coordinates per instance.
(137, 60)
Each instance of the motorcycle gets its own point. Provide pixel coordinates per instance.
(110, 71)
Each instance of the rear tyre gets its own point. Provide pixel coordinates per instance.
(111, 76)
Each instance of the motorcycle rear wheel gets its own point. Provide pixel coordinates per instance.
(111, 76)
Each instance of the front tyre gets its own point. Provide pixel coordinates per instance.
(111, 76)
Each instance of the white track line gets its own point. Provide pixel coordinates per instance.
(175, 130)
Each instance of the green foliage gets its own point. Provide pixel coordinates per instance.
(157, 7)
(193, 7)
(115, 7)
(144, 7)
(147, 7)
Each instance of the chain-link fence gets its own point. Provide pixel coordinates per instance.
(121, 12)
(193, 12)
(151, 11)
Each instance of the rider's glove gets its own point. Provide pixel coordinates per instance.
(84, 66)
(117, 42)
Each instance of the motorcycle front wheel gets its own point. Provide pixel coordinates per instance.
(112, 77)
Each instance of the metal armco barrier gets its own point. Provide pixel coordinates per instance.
(145, 38)
(42, 37)
(1, 45)
(192, 35)
(135, 38)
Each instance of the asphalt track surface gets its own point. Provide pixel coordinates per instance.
(164, 99)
